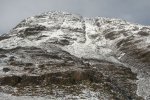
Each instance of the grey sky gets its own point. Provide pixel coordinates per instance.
(13, 11)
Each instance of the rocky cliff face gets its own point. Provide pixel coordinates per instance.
(58, 55)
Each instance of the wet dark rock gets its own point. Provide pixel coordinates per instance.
(16, 63)
(10, 80)
(29, 64)
(141, 33)
(4, 37)
(64, 42)
(6, 69)
(33, 30)
(12, 58)
(111, 35)
(2, 56)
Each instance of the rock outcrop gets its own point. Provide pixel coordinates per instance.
(59, 55)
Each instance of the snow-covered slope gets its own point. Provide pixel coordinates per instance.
(112, 40)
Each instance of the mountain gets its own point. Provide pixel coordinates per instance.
(58, 55)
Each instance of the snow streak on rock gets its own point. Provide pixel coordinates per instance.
(60, 44)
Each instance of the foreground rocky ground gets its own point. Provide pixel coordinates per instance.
(58, 55)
